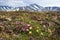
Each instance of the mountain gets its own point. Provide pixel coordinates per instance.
(36, 7)
(2, 8)
(7, 8)
(52, 8)
(31, 7)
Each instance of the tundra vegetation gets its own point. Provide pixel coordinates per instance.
(25, 25)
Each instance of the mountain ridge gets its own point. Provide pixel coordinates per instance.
(31, 7)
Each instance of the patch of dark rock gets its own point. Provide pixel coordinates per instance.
(3, 19)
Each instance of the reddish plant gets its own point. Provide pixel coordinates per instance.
(17, 26)
(25, 26)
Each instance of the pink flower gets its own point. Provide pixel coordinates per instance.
(25, 26)
(28, 25)
(17, 26)
(23, 29)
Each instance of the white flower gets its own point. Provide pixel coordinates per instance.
(37, 30)
(30, 32)
(27, 29)
(30, 27)
(28, 24)
(44, 26)
(41, 33)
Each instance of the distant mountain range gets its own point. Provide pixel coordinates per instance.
(31, 7)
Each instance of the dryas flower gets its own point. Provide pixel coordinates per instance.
(28, 25)
(41, 33)
(30, 32)
(37, 30)
(27, 29)
(30, 28)
(44, 26)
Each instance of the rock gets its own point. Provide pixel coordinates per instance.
(3, 19)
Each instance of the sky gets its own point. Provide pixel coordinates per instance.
(17, 3)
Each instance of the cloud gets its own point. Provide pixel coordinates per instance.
(13, 3)
(16, 3)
